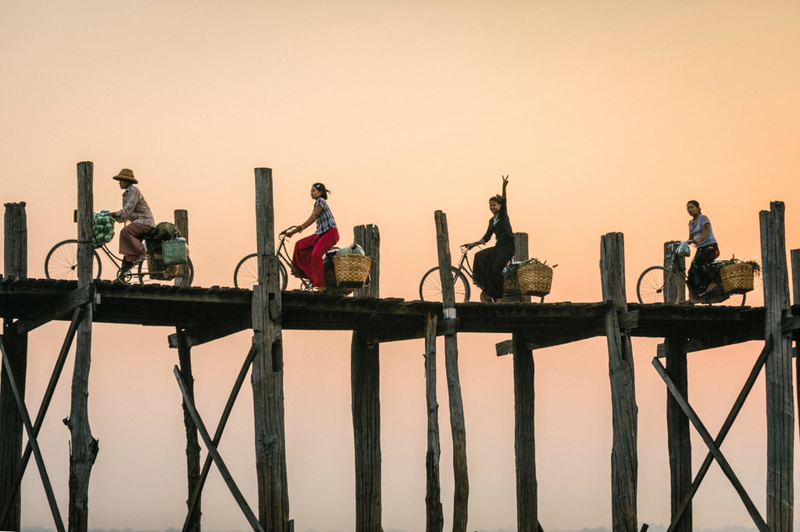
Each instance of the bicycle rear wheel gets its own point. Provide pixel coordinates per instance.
(144, 276)
(246, 273)
(62, 262)
(430, 287)
(653, 284)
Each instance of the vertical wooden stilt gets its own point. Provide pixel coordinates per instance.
(457, 426)
(267, 374)
(795, 254)
(366, 404)
(182, 223)
(84, 447)
(434, 515)
(521, 254)
(679, 442)
(11, 428)
(624, 456)
(524, 436)
(780, 396)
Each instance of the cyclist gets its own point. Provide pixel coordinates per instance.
(701, 271)
(308, 252)
(139, 218)
(489, 263)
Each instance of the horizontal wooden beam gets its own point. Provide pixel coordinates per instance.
(65, 305)
(790, 323)
(195, 336)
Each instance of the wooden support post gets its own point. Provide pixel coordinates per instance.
(434, 515)
(521, 255)
(457, 426)
(267, 374)
(524, 436)
(624, 456)
(780, 396)
(84, 448)
(674, 284)
(11, 428)
(795, 254)
(366, 402)
(182, 224)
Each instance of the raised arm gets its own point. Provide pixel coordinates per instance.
(505, 184)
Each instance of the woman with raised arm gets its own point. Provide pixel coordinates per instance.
(308, 252)
(701, 271)
(489, 263)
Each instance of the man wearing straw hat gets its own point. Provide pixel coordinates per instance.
(139, 218)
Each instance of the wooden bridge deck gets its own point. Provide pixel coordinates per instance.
(211, 313)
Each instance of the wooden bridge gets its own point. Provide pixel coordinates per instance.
(200, 315)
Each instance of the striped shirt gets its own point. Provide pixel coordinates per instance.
(134, 208)
(325, 219)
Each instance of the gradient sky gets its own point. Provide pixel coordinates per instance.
(607, 115)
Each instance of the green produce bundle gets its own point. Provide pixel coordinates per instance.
(103, 228)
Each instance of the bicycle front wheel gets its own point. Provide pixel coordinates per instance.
(430, 287)
(62, 262)
(653, 283)
(246, 273)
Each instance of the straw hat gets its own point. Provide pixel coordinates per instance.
(126, 174)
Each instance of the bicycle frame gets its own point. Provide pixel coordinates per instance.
(283, 256)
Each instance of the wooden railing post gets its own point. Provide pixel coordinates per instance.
(674, 284)
(11, 428)
(624, 456)
(84, 447)
(780, 396)
(267, 374)
(366, 403)
(182, 224)
(457, 426)
(795, 254)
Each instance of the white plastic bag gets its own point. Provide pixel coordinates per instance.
(683, 249)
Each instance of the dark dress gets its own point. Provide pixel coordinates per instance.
(489, 263)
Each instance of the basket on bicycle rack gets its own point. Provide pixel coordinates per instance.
(535, 279)
(737, 278)
(173, 252)
(351, 270)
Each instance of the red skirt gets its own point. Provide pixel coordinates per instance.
(308, 253)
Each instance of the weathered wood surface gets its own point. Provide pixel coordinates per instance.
(366, 403)
(675, 288)
(267, 374)
(84, 447)
(712, 447)
(795, 258)
(182, 224)
(780, 395)
(6, 507)
(679, 444)
(434, 515)
(524, 436)
(457, 425)
(624, 455)
(192, 438)
(65, 305)
(521, 255)
(15, 261)
(212, 450)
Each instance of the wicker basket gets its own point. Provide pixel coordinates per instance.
(535, 279)
(173, 252)
(737, 278)
(330, 285)
(351, 270)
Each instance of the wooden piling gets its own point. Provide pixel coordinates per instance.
(84, 447)
(795, 257)
(182, 224)
(267, 373)
(780, 396)
(679, 444)
(365, 395)
(434, 515)
(457, 426)
(11, 427)
(624, 456)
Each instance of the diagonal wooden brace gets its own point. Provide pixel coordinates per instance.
(26, 420)
(712, 447)
(218, 434)
(66, 304)
(723, 432)
(48, 395)
(212, 450)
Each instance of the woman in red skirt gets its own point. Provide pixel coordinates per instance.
(308, 252)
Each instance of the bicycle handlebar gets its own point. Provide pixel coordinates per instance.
(283, 233)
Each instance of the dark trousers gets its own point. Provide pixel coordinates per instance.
(488, 268)
(701, 271)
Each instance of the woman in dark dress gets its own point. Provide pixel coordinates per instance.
(489, 263)
(701, 271)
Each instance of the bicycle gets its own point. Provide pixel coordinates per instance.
(246, 273)
(430, 287)
(659, 284)
(62, 263)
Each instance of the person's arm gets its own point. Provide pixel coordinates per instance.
(703, 235)
(311, 219)
(505, 184)
(129, 202)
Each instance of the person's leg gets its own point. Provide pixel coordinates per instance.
(481, 268)
(130, 241)
(324, 243)
(700, 275)
(301, 259)
(501, 257)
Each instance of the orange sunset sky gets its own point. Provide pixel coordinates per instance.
(608, 115)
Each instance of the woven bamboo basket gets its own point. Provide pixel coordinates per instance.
(173, 252)
(330, 285)
(351, 270)
(737, 278)
(535, 279)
